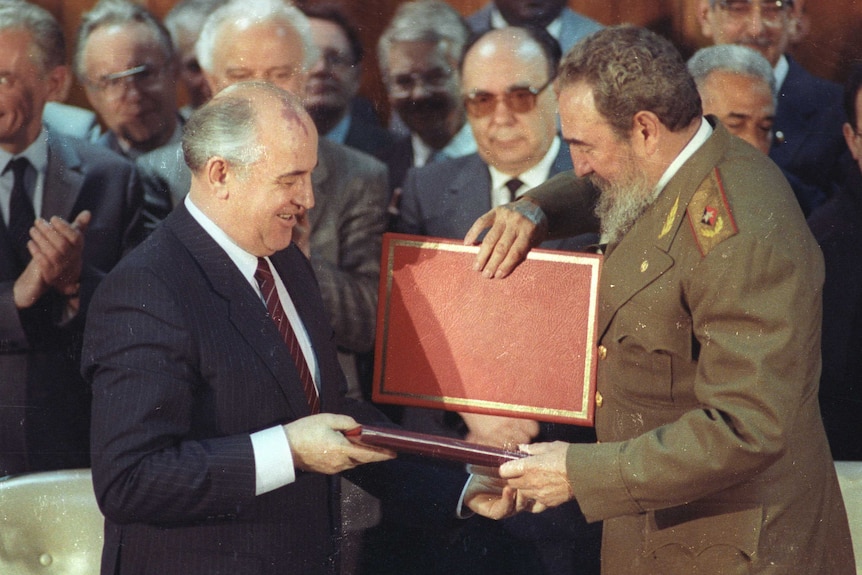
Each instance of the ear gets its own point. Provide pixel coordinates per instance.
(704, 17)
(850, 137)
(58, 81)
(646, 131)
(218, 176)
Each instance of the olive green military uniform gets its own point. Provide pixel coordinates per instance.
(712, 456)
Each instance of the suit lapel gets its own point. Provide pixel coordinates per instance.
(63, 179)
(246, 313)
(462, 190)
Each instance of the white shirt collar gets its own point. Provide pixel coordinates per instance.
(702, 135)
(782, 67)
(531, 178)
(37, 154)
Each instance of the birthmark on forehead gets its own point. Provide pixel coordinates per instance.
(290, 114)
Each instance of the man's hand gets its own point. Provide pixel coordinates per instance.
(541, 480)
(496, 431)
(317, 444)
(490, 497)
(515, 229)
(57, 249)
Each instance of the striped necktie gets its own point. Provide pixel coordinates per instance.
(264, 278)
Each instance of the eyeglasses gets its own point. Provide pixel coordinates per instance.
(113, 86)
(519, 99)
(433, 80)
(772, 12)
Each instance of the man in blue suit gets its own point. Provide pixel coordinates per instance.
(507, 92)
(218, 405)
(561, 22)
(808, 144)
(69, 210)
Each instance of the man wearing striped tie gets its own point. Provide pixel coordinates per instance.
(218, 397)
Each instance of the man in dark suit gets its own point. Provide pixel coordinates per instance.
(217, 406)
(333, 82)
(561, 22)
(711, 449)
(506, 80)
(88, 203)
(125, 60)
(807, 141)
(418, 54)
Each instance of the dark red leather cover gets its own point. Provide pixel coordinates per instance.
(435, 446)
(447, 338)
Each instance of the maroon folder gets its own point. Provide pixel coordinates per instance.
(447, 338)
(479, 458)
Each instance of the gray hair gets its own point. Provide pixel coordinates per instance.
(246, 13)
(117, 13)
(632, 69)
(431, 21)
(731, 58)
(189, 16)
(46, 33)
(227, 125)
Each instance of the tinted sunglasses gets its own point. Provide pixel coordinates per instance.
(518, 99)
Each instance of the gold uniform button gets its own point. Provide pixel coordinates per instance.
(603, 352)
(599, 399)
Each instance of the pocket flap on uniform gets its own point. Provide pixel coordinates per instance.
(698, 526)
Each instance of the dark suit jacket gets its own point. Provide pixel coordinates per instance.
(373, 139)
(836, 227)
(575, 26)
(196, 367)
(41, 385)
(443, 199)
(811, 149)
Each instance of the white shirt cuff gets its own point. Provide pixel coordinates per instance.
(273, 461)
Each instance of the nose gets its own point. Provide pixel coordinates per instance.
(756, 25)
(580, 164)
(502, 114)
(305, 195)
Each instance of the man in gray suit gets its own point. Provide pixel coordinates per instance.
(565, 25)
(506, 78)
(88, 203)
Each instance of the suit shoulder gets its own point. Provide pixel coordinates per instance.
(340, 157)
(447, 168)
(89, 154)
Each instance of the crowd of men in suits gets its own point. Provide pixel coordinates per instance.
(474, 126)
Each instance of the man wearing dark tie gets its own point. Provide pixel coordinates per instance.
(218, 407)
(69, 211)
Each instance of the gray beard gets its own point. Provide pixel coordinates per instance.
(621, 204)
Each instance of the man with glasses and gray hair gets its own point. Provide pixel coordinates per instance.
(507, 93)
(125, 60)
(418, 55)
(69, 210)
(807, 141)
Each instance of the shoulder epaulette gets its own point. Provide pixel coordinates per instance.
(709, 214)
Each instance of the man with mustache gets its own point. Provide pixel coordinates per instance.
(418, 55)
(808, 142)
(711, 454)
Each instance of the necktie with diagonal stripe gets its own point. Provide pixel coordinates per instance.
(264, 278)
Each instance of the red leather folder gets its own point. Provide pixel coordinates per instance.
(448, 338)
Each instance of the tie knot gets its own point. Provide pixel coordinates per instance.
(262, 273)
(513, 186)
(18, 166)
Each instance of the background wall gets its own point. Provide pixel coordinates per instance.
(833, 41)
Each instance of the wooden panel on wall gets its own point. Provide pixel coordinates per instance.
(827, 50)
